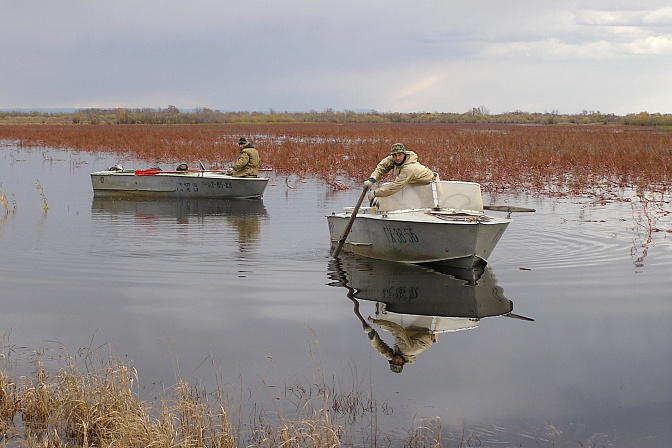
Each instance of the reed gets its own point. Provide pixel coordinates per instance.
(95, 403)
(548, 160)
(4, 204)
(40, 190)
(8, 406)
(98, 405)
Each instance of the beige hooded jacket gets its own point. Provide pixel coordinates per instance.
(409, 172)
(407, 343)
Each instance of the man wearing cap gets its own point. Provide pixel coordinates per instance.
(406, 167)
(408, 342)
(248, 161)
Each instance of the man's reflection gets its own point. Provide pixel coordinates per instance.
(415, 303)
(248, 230)
(408, 342)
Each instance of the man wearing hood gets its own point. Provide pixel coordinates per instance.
(406, 167)
(408, 342)
(248, 161)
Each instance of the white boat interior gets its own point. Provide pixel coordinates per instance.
(446, 195)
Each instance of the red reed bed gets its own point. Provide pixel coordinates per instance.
(531, 158)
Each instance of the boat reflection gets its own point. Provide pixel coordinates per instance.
(416, 303)
(242, 214)
(175, 207)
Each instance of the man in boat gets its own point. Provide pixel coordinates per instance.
(248, 161)
(408, 343)
(406, 167)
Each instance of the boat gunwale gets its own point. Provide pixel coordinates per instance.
(441, 216)
(189, 173)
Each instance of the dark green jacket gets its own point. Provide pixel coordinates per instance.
(248, 162)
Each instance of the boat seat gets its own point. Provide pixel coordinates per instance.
(449, 195)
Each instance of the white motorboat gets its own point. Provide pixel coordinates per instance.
(179, 184)
(442, 221)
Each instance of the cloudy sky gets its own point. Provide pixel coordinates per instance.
(614, 56)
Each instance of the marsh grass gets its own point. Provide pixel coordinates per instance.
(549, 160)
(40, 190)
(5, 205)
(99, 406)
(95, 402)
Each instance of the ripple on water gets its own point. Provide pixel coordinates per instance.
(568, 236)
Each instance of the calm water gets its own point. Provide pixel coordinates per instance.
(249, 286)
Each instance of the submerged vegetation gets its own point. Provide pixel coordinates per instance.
(538, 159)
(5, 206)
(40, 190)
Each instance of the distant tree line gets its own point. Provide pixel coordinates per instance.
(173, 115)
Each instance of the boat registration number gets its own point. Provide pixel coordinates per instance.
(400, 235)
(399, 293)
(214, 185)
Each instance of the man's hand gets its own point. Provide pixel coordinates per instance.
(369, 183)
(370, 332)
(372, 198)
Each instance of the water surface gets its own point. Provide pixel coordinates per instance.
(250, 287)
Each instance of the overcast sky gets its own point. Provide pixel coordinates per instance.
(296, 55)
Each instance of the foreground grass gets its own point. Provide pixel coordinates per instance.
(97, 404)
(548, 160)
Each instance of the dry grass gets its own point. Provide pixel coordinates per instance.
(98, 405)
(6, 210)
(548, 160)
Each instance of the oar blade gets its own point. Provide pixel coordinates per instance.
(507, 208)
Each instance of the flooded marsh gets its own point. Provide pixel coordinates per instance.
(564, 338)
(549, 160)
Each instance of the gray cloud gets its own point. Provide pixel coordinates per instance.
(301, 55)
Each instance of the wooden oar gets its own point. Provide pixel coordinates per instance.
(343, 281)
(347, 227)
(517, 316)
(507, 208)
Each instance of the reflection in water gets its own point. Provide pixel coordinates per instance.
(416, 303)
(241, 214)
(647, 209)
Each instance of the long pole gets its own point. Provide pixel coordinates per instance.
(347, 227)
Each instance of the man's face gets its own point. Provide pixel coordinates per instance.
(398, 157)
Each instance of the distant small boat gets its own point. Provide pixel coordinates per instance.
(441, 221)
(179, 184)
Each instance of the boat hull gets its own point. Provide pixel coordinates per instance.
(419, 236)
(188, 184)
